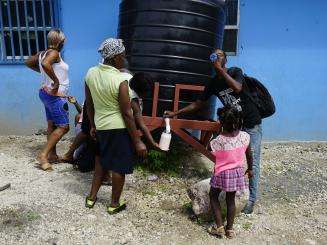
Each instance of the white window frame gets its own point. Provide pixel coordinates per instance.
(55, 23)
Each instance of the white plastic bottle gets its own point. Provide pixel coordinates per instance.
(165, 138)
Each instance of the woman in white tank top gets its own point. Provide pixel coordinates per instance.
(53, 94)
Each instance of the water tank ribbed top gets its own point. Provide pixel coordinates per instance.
(172, 40)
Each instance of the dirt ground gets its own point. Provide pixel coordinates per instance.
(48, 208)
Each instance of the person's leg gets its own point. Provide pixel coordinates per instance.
(215, 205)
(230, 202)
(53, 139)
(52, 157)
(78, 141)
(97, 179)
(255, 144)
(57, 111)
(118, 181)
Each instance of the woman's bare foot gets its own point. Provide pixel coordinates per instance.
(44, 163)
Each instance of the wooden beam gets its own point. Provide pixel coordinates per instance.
(155, 99)
(194, 143)
(182, 123)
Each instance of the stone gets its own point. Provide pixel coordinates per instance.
(199, 195)
(153, 178)
(41, 132)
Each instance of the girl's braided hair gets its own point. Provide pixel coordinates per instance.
(231, 118)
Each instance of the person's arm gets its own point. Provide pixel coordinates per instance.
(90, 110)
(73, 100)
(209, 90)
(192, 108)
(235, 84)
(139, 122)
(33, 62)
(127, 113)
(249, 159)
(78, 107)
(51, 57)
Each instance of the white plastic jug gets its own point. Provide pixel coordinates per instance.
(165, 137)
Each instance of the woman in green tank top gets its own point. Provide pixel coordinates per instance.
(112, 123)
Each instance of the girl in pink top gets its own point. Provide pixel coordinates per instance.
(230, 149)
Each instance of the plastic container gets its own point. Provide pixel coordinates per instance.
(165, 138)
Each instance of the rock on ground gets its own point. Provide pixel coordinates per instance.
(199, 195)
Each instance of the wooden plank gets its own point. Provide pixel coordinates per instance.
(189, 87)
(182, 123)
(176, 98)
(155, 99)
(194, 143)
(195, 124)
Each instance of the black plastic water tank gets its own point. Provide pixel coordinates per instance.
(172, 40)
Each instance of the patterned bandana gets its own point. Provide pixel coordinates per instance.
(111, 47)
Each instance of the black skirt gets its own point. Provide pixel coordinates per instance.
(116, 150)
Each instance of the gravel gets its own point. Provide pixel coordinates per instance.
(48, 208)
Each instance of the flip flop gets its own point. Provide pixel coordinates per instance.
(230, 234)
(114, 210)
(89, 203)
(2, 188)
(215, 231)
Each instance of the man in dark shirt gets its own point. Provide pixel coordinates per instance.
(227, 86)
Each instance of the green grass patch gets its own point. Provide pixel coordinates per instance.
(31, 216)
(247, 226)
(160, 162)
(148, 192)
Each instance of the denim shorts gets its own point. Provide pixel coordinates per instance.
(56, 108)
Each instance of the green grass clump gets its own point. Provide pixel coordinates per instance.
(31, 216)
(159, 162)
(247, 226)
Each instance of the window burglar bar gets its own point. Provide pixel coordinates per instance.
(24, 25)
(232, 27)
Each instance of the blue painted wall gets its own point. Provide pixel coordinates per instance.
(86, 25)
(283, 43)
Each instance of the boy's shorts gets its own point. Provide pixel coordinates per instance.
(56, 108)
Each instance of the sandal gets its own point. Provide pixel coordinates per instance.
(115, 210)
(215, 231)
(89, 203)
(230, 234)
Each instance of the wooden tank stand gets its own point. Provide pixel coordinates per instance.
(179, 126)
